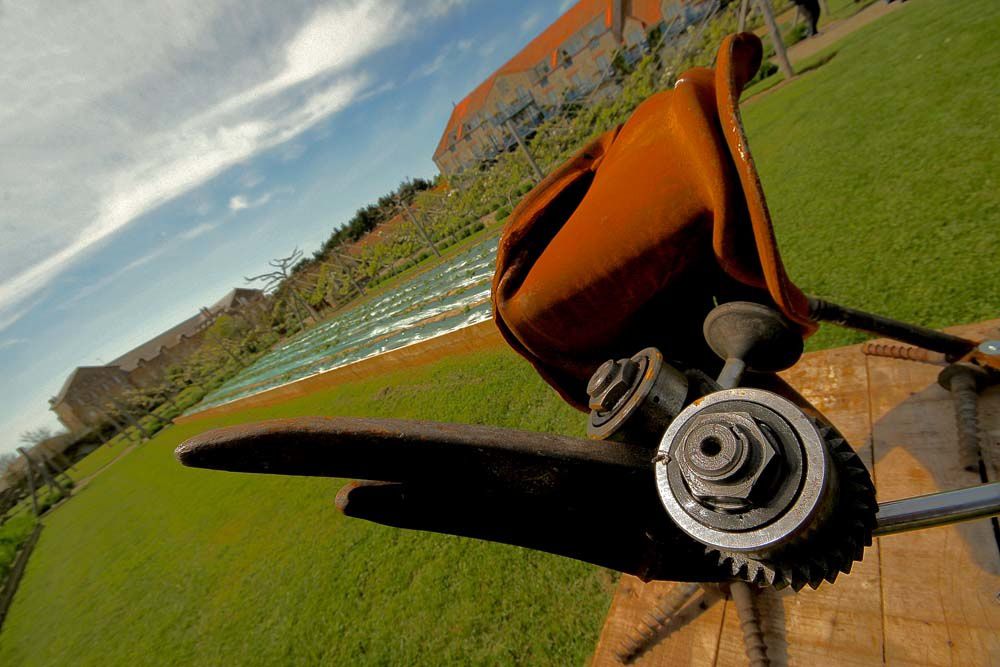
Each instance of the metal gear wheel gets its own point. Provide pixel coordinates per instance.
(827, 549)
(775, 496)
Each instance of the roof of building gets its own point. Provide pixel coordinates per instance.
(151, 348)
(545, 46)
(172, 336)
(233, 297)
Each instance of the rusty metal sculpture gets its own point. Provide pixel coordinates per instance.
(710, 468)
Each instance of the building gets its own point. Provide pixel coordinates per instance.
(81, 401)
(89, 390)
(147, 364)
(569, 60)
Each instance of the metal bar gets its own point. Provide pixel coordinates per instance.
(903, 352)
(664, 608)
(731, 373)
(953, 346)
(396, 450)
(938, 509)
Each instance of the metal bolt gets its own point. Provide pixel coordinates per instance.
(990, 347)
(963, 381)
(750, 623)
(724, 458)
(663, 610)
(610, 383)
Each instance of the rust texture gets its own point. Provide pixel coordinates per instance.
(627, 244)
(904, 352)
(567, 496)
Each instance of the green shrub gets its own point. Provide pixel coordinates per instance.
(503, 212)
(12, 535)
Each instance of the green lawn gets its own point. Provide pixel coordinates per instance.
(881, 171)
(881, 168)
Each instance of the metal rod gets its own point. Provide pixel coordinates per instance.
(938, 509)
(903, 352)
(750, 622)
(731, 373)
(663, 610)
(953, 346)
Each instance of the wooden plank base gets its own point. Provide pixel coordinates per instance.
(923, 598)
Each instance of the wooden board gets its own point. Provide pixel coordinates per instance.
(921, 598)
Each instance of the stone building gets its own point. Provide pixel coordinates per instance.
(89, 390)
(570, 60)
(85, 393)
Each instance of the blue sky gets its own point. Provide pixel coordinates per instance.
(156, 153)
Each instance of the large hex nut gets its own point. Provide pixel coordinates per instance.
(724, 456)
(611, 383)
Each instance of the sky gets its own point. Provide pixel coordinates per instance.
(154, 154)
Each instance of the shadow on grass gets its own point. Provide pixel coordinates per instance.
(775, 81)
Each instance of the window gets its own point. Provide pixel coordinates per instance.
(603, 62)
(595, 28)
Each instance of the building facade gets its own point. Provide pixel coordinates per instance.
(90, 391)
(86, 393)
(569, 61)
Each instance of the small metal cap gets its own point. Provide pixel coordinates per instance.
(610, 383)
(990, 347)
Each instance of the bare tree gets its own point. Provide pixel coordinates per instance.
(6, 459)
(278, 281)
(404, 207)
(36, 435)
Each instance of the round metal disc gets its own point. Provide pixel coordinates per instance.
(794, 520)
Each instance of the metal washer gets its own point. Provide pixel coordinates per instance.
(797, 519)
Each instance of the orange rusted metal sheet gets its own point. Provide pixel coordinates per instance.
(631, 241)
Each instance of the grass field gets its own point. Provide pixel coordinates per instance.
(881, 171)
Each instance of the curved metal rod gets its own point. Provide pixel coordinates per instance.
(938, 509)
(594, 501)
(396, 450)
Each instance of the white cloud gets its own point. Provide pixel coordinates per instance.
(251, 179)
(566, 4)
(11, 342)
(195, 232)
(531, 21)
(243, 201)
(97, 131)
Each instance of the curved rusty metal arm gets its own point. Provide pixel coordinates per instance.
(396, 450)
(593, 501)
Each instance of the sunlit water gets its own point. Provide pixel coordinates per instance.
(436, 302)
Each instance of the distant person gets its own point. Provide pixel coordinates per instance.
(811, 9)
